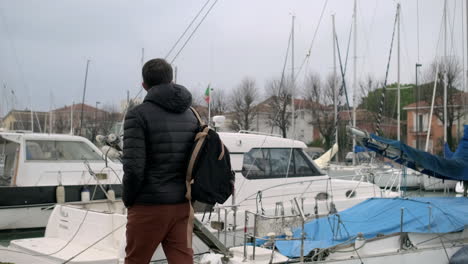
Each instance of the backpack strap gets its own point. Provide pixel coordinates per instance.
(221, 155)
(199, 139)
(197, 115)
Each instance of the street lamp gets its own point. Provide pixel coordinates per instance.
(418, 127)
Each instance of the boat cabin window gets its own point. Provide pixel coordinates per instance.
(8, 156)
(274, 162)
(59, 150)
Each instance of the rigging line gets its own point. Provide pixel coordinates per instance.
(282, 76)
(292, 99)
(180, 50)
(307, 57)
(12, 46)
(343, 84)
(368, 33)
(193, 32)
(343, 72)
(452, 29)
(384, 88)
(186, 29)
(285, 63)
(276, 114)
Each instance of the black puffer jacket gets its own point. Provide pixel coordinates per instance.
(158, 136)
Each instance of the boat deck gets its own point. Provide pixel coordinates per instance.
(9, 256)
(58, 253)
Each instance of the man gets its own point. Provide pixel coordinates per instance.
(158, 136)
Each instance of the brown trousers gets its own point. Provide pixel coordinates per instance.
(150, 225)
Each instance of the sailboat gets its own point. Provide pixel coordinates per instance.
(444, 168)
(430, 230)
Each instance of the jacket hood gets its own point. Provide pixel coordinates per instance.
(172, 97)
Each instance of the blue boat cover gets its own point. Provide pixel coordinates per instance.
(447, 151)
(451, 168)
(358, 149)
(377, 216)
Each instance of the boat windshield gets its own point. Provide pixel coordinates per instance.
(60, 150)
(273, 163)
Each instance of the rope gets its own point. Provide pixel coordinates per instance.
(384, 88)
(97, 241)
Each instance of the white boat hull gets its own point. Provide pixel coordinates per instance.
(434, 184)
(25, 216)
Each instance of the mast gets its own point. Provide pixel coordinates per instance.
(335, 92)
(50, 113)
(445, 71)
(71, 117)
(83, 101)
(466, 79)
(292, 80)
(398, 76)
(209, 103)
(354, 77)
(32, 120)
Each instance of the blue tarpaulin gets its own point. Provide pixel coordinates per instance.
(451, 168)
(447, 151)
(358, 149)
(380, 216)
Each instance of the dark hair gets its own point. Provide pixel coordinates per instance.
(156, 71)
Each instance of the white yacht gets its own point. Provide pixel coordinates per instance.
(39, 170)
(270, 172)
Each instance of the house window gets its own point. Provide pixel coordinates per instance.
(274, 162)
(420, 122)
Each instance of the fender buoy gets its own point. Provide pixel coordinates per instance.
(60, 194)
(85, 194)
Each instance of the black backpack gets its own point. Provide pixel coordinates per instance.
(210, 178)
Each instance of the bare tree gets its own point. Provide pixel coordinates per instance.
(219, 102)
(319, 96)
(279, 92)
(243, 100)
(371, 98)
(451, 66)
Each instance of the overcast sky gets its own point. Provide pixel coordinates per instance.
(45, 44)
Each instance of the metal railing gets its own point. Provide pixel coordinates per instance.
(287, 223)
